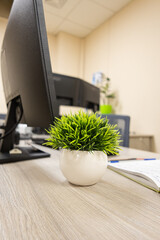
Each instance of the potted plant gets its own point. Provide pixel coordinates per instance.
(84, 140)
(106, 96)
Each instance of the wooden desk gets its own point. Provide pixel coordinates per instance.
(36, 202)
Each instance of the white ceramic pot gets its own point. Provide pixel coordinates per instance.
(82, 167)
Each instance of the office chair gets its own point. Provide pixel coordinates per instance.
(123, 124)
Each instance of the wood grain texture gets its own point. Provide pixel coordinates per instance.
(36, 202)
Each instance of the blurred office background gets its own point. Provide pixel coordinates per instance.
(120, 38)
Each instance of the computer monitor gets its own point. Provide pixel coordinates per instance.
(89, 96)
(76, 92)
(67, 89)
(27, 76)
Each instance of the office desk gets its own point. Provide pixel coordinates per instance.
(36, 202)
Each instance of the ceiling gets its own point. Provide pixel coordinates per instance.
(79, 17)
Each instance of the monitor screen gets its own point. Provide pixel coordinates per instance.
(67, 89)
(89, 96)
(26, 73)
(76, 92)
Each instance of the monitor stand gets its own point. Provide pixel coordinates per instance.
(7, 152)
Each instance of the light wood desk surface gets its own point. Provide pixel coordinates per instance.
(36, 202)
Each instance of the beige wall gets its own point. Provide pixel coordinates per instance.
(68, 55)
(3, 108)
(127, 49)
(52, 49)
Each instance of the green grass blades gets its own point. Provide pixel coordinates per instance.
(84, 132)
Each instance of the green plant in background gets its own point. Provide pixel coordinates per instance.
(84, 132)
(106, 94)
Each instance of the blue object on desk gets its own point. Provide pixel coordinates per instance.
(149, 159)
(131, 159)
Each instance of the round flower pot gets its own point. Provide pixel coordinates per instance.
(82, 167)
(105, 109)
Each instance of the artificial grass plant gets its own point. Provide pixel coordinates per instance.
(83, 132)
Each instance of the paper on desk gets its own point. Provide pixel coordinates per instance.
(150, 169)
